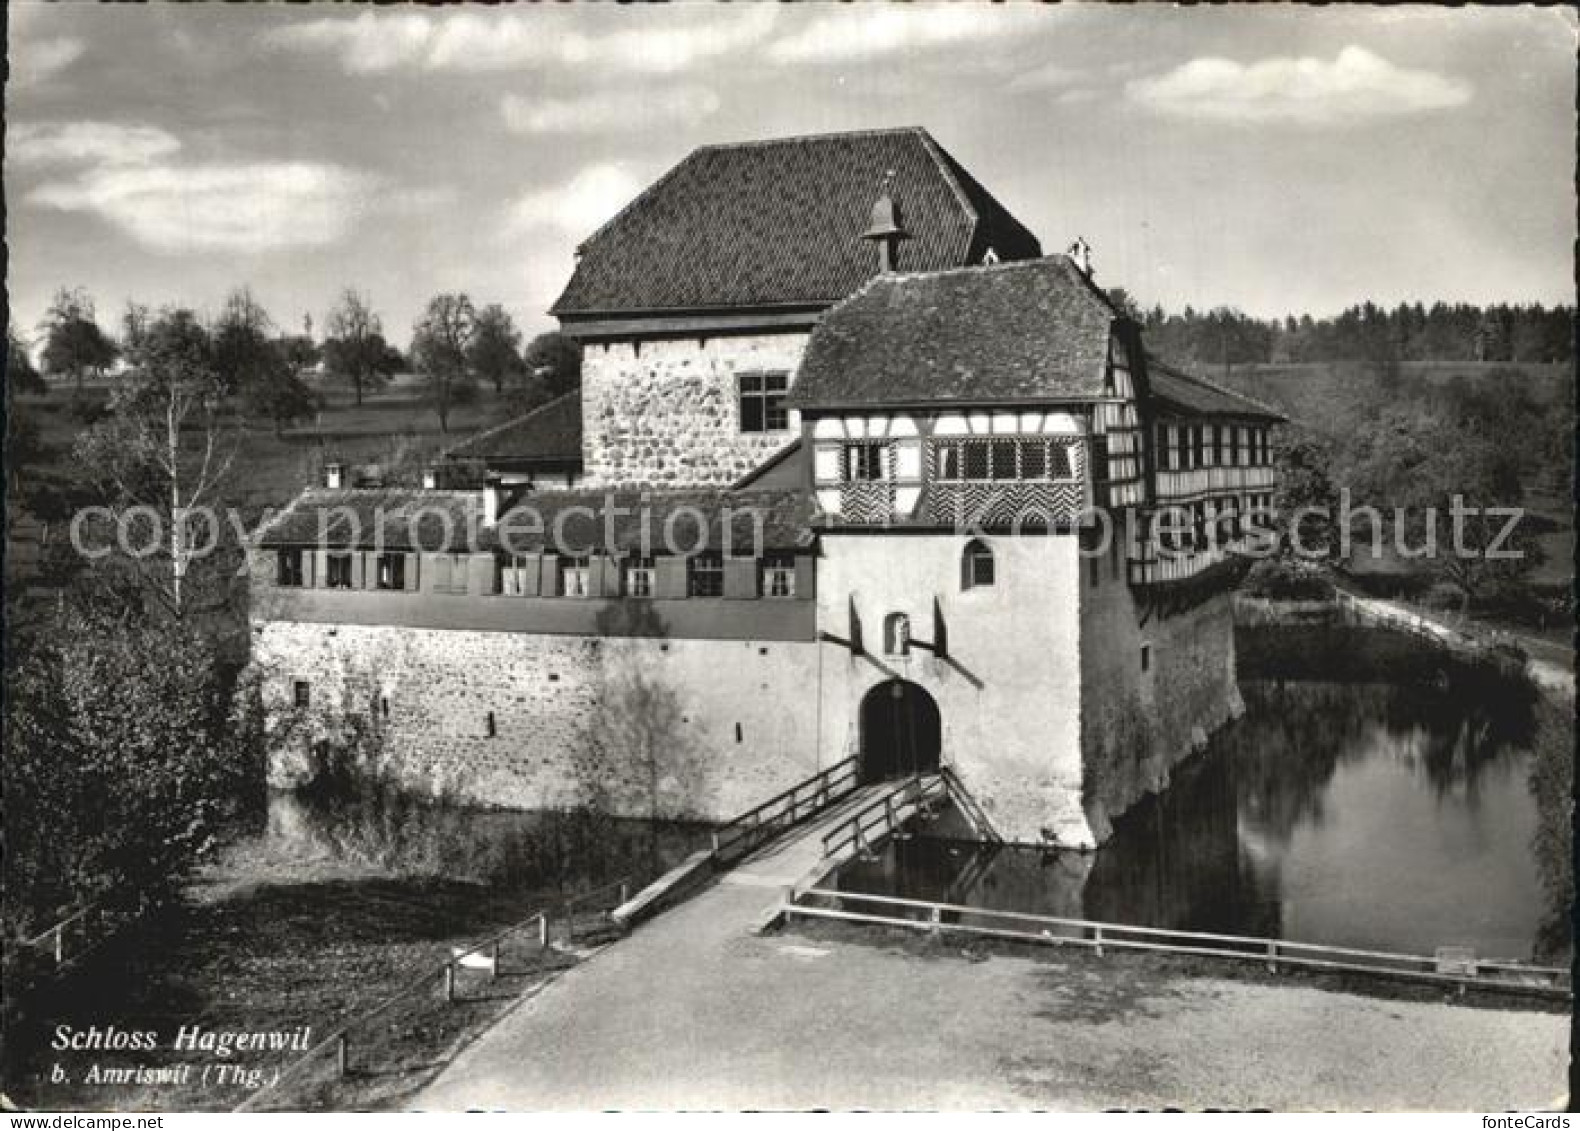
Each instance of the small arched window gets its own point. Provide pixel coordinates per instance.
(897, 635)
(976, 566)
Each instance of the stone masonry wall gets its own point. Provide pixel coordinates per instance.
(721, 725)
(667, 413)
(1136, 725)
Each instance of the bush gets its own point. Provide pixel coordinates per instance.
(1284, 580)
(130, 749)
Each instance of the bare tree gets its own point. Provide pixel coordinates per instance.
(354, 349)
(440, 346)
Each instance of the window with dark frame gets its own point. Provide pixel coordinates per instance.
(637, 577)
(1146, 657)
(513, 576)
(778, 575)
(1003, 460)
(865, 463)
(302, 694)
(338, 574)
(978, 567)
(575, 577)
(392, 571)
(288, 570)
(762, 400)
(705, 575)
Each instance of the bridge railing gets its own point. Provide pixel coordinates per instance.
(1450, 966)
(881, 816)
(760, 823)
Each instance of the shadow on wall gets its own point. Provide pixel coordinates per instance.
(641, 732)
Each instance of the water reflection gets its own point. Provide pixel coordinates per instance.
(1366, 815)
(374, 830)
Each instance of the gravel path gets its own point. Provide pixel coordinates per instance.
(693, 1011)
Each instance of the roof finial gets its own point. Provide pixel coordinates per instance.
(1080, 252)
(886, 228)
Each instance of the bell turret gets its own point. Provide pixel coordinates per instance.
(886, 228)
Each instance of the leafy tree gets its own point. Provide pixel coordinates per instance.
(21, 377)
(440, 347)
(495, 350)
(130, 747)
(556, 361)
(1463, 538)
(164, 446)
(74, 345)
(243, 348)
(355, 350)
(1306, 500)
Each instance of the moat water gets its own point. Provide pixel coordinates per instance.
(1367, 815)
(1396, 816)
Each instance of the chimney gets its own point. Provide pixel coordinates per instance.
(1081, 253)
(492, 490)
(886, 229)
(334, 475)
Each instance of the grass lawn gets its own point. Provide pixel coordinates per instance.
(316, 952)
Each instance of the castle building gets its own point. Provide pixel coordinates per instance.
(854, 471)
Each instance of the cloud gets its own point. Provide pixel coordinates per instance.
(665, 41)
(1357, 85)
(1049, 76)
(868, 31)
(37, 61)
(98, 142)
(246, 208)
(579, 206)
(608, 112)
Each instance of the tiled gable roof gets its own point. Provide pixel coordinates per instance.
(779, 223)
(1032, 331)
(550, 433)
(1173, 390)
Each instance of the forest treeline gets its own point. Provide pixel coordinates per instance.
(1365, 332)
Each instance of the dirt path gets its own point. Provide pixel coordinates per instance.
(694, 1011)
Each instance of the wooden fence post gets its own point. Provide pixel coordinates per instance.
(1272, 956)
(493, 954)
(715, 842)
(342, 1055)
(1097, 937)
(449, 982)
(624, 891)
(60, 944)
(543, 930)
(937, 919)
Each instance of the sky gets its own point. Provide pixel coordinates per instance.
(1273, 158)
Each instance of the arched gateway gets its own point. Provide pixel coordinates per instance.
(900, 731)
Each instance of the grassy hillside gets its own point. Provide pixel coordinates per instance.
(1324, 394)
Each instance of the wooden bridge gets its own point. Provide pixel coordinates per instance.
(795, 838)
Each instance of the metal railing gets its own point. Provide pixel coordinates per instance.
(1444, 968)
(760, 823)
(443, 978)
(881, 816)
